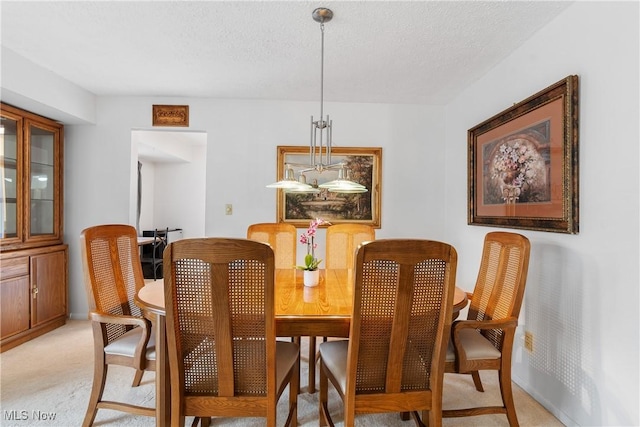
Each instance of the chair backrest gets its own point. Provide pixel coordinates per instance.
(219, 297)
(282, 238)
(342, 242)
(112, 272)
(403, 300)
(159, 241)
(502, 277)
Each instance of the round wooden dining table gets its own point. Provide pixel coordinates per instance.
(323, 310)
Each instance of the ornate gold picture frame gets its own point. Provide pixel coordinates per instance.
(365, 164)
(523, 163)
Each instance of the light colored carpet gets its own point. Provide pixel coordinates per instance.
(47, 381)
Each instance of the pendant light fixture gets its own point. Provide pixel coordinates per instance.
(320, 144)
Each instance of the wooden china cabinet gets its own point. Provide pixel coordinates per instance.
(33, 257)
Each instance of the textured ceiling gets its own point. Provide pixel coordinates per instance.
(375, 51)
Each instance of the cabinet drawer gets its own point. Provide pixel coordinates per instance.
(14, 267)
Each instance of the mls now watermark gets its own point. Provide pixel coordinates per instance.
(25, 415)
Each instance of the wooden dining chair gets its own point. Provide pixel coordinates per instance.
(342, 241)
(223, 355)
(394, 358)
(121, 335)
(151, 257)
(485, 340)
(282, 238)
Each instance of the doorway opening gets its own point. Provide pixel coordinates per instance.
(168, 183)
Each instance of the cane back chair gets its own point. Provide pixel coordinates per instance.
(223, 355)
(485, 340)
(122, 336)
(394, 358)
(342, 241)
(281, 237)
(151, 257)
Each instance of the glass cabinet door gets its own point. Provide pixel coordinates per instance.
(42, 215)
(11, 185)
(30, 180)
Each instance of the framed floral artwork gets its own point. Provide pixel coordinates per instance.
(365, 167)
(523, 163)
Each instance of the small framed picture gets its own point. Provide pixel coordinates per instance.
(171, 115)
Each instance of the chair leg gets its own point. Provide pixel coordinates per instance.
(428, 419)
(137, 378)
(507, 396)
(432, 417)
(314, 357)
(202, 422)
(298, 341)
(476, 380)
(99, 379)
(323, 407)
(294, 386)
(179, 420)
(312, 364)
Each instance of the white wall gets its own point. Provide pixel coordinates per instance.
(581, 301)
(147, 201)
(30, 87)
(180, 190)
(173, 194)
(242, 137)
(245, 134)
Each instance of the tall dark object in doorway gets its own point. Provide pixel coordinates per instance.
(151, 257)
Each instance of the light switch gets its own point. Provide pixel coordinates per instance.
(228, 209)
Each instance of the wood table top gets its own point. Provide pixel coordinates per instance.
(332, 298)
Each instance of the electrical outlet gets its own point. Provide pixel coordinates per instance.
(228, 209)
(528, 341)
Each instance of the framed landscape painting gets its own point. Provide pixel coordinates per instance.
(365, 167)
(523, 163)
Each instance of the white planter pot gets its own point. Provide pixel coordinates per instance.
(311, 278)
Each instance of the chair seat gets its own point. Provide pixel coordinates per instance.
(475, 345)
(286, 357)
(334, 357)
(126, 344)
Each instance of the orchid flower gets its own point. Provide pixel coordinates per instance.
(310, 261)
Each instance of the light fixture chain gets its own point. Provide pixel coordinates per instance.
(321, 71)
(321, 122)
